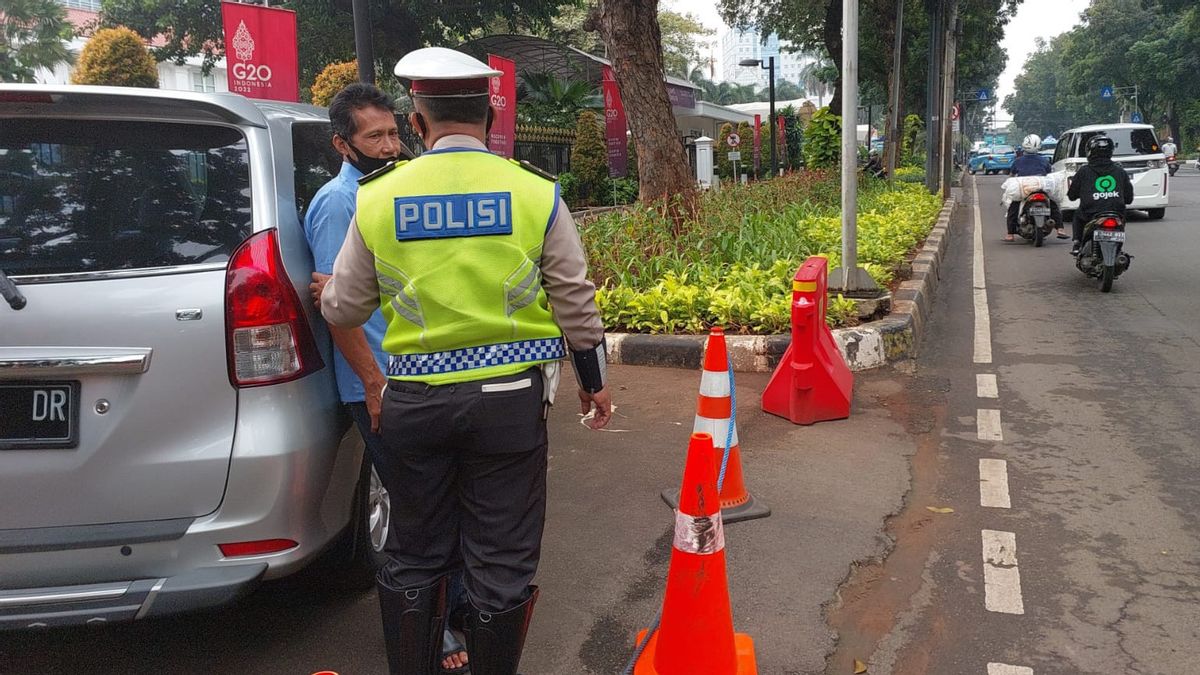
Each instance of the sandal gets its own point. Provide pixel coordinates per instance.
(451, 645)
(1062, 235)
(1009, 237)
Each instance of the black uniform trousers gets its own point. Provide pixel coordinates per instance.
(465, 467)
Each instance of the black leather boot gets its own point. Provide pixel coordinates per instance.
(495, 639)
(412, 627)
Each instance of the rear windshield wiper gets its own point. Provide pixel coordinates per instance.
(10, 292)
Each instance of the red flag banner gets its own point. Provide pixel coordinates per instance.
(503, 136)
(757, 143)
(261, 57)
(614, 127)
(782, 142)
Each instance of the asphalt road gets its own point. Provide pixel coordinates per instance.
(1093, 565)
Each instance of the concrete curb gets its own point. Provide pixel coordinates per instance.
(892, 338)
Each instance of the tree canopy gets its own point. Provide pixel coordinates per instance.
(116, 57)
(33, 34)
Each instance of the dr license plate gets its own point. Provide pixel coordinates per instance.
(1040, 211)
(1104, 235)
(39, 415)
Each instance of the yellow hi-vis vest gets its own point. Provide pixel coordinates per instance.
(457, 235)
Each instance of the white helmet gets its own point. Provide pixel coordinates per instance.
(1032, 143)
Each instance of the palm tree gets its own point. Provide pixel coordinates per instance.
(547, 100)
(33, 34)
(816, 78)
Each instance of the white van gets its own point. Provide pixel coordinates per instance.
(1137, 151)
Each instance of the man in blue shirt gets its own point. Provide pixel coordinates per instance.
(365, 134)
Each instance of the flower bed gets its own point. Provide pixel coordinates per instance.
(733, 264)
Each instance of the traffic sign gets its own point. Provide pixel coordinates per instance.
(1137, 118)
(734, 155)
(733, 140)
(1106, 93)
(956, 112)
(983, 95)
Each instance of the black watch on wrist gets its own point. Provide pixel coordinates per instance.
(591, 367)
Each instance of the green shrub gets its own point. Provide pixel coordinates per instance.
(568, 188)
(910, 174)
(116, 57)
(911, 145)
(589, 159)
(733, 265)
(823, 140)
(332, 79)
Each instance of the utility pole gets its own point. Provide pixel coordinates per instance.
(364, 50)
(933, 95)
(850, 277)
(893, 141)
(949, 75)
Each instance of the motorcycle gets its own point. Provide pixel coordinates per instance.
(1102, 255)
(1172, 165)
(1035, 206)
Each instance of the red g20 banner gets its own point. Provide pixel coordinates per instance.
(614, 127)
(757, 142)
(261, 58)
(503, 95)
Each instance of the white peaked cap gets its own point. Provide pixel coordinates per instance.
(439, 63)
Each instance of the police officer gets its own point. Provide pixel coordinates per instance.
(1101, 186)
(465, 252)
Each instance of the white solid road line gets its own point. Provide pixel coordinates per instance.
(993, 484)
(985, 386)
(983, 323)
(1001, 579)
(987, 425)
(1005, 669)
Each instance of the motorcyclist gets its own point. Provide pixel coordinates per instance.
(1101, 186)
(1168, 147)
(1029, 163)
(874, 167)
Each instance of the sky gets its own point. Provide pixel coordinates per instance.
(1035, 18)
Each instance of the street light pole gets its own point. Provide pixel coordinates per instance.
(772, 124)
(364, 50)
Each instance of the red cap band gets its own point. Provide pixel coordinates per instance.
(476, 85)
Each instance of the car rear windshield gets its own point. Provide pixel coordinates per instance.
(1002, 150)
(1128, 141)
(93, 196)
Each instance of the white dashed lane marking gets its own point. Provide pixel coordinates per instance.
(983, 323)
(993, 484)
(1005, 669)
(985, 386)
(1001, 578)
(987, 425)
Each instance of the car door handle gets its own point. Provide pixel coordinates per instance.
(17, 362)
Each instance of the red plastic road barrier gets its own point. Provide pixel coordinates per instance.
(696, 634)
(812, 383)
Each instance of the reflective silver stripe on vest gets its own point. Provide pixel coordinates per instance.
(404, 304)
(471, 358)
(525, 292)
(701, 535)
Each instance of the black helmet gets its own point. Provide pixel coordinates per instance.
(1100, 147)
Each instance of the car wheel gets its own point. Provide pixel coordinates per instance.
(360, 552)
(1156, 214)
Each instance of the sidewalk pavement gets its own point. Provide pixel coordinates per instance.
(608, 534)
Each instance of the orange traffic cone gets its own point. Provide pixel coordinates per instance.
(713, 417)
(695, 636)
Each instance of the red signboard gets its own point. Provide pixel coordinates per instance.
(757, 143)
(503, 135)
(261, 58)
(614, 127)
(782, 142)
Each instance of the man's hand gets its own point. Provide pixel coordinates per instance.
(602, 400)
(318, 286)
(374, 399)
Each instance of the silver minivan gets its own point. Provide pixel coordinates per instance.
(169, 433)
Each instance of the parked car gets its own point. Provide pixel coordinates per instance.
(1137, 151)
(994, 159)
(169, 434)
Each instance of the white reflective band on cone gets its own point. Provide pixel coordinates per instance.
(719, 429)
(714, 384)
(702, 535)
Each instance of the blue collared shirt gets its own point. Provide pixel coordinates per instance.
(325, 228)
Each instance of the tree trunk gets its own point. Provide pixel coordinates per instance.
(631, 33)
(832, 34)
(894, 17)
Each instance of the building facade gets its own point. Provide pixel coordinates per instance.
(737, 45)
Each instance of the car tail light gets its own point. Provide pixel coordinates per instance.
(1110, 223)
(1038, 197)
(261, 547)
(267, 333)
